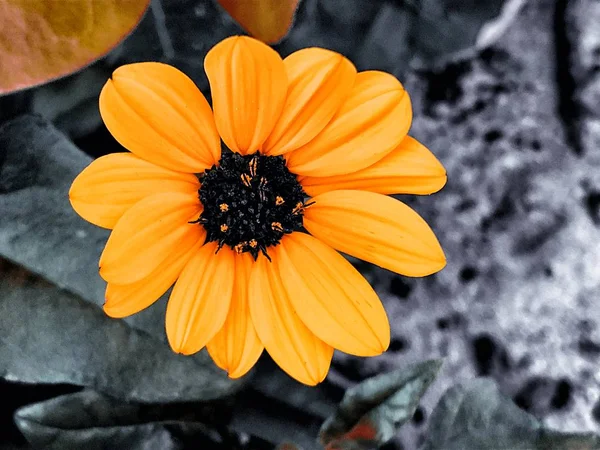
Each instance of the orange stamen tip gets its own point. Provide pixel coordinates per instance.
(298, 208)
(246, 179)
(279, 200)
(224, 207)
(253, 165)
(224, 228)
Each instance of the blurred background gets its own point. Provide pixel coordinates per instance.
(505, 93)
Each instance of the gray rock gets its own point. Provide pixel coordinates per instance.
(583, 36)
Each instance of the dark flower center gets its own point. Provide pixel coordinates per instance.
(250, 202)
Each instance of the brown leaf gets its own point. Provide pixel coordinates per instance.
(44, 40)
(267, 20)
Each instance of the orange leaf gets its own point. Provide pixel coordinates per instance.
(267, 20)
(44, 40)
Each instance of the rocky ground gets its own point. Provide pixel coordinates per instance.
(517, 126)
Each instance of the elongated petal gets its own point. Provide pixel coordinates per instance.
(112, 184)
(147, 234)
(248, 85)
(158, 113)
(128, 299)
(409, 169)
(319, 82)
(290, 343)
(237, 347)
(200, 299)
(375, 228)
(370, 124)
(331, 297)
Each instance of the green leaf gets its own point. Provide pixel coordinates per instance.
(49, 335)
(476, 415)
(371, 412)
(88, 419)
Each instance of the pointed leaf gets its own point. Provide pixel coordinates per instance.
(43, 41)
(371, 412)
(88, 419)
(267, 20)
(477, 415)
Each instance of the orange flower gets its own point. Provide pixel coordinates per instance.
(230, 225)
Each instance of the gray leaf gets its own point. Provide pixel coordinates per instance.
(89, 420)
(477, 415)
(40, 231)
(371, 412)
(277, 386)
(50, 336)
(274, 421)
(71, 103)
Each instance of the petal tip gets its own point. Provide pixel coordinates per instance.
(112, 312)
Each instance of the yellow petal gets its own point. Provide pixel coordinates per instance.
(370, 124)
(158, 113)
(331, 297)
(319, 81)
(248, 87)
(112, 184)
(409, 169)
(236, 347)
(200, 300)
(147, 234)
(375, 228)
(125, 300)
(290, 343)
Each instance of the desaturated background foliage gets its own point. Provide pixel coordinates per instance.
(500, 350)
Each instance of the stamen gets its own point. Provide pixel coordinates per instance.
(262, 189)
(253, 166)
(246, 179)
(299, 208)
(249, 202)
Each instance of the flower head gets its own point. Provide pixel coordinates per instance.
(247, 232)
